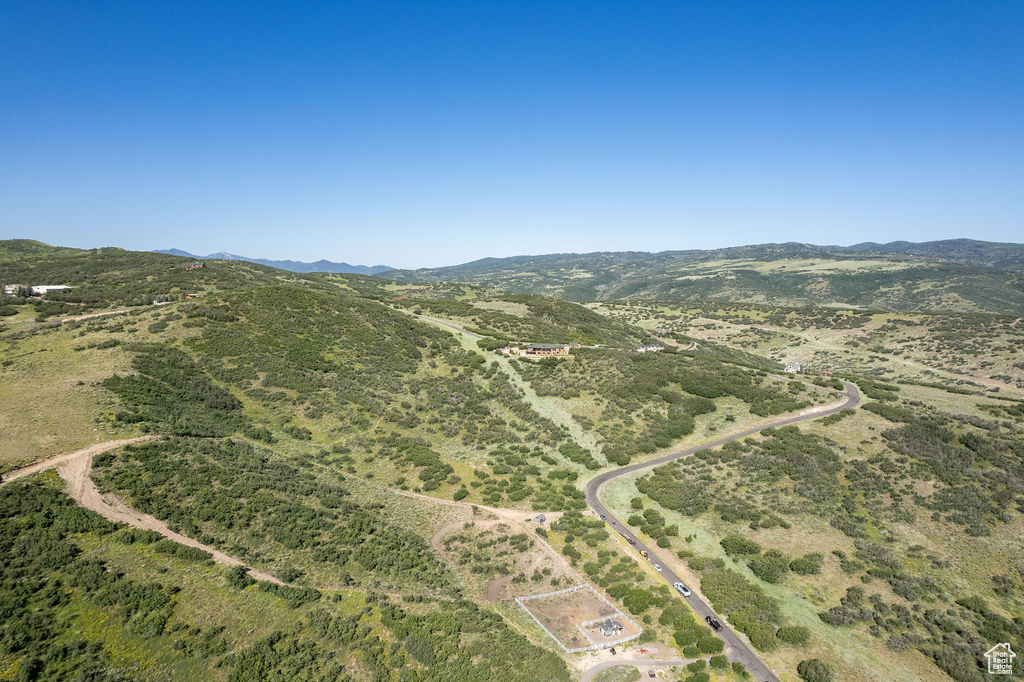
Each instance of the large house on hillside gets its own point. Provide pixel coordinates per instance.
(536, 349)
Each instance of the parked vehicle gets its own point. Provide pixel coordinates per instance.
(657, 567)
(713, 622)
(643, 553)
(681, 589)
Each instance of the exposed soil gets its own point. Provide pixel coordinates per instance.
(517, 516)
(76, 318)
(643, 665)
(562, 613)
(89, 452)
(542, 552)
(75, 468)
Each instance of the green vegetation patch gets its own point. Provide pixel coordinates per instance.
(72, 616)
(647, 401)
(170, 393)
(250, 502)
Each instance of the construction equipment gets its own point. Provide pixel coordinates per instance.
(643, 553)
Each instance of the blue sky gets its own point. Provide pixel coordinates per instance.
(423, 134)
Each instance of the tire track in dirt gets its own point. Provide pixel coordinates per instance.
(640, 663)
(496, 585)
(75, 468)
(78, 318)
(90, 452)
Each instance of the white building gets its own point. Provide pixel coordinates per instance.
(44, 289)
(651, 348)
(794, 367)
(610, 628)
(12, 289)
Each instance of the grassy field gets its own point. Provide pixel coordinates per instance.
(53, 405)
(776, 274)
(979, 352)
(958, 564)
(619, 673)
(961, 372)
(855, 653)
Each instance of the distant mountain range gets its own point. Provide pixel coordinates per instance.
(290, 265)
(958, 275)
(961, 274)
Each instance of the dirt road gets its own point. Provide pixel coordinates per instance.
(89, 452)
(78, 318)
(449, 325)
(516, 516)
(641, 664)
(75, 468)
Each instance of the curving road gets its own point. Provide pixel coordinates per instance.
(736, 648)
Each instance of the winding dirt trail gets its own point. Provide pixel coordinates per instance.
(78, 318)
(75, 468)
(90, 452)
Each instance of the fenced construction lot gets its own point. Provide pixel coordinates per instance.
(574, 618)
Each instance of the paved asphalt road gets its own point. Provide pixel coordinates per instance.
(736, 648)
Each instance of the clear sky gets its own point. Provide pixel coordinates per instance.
(432, 133)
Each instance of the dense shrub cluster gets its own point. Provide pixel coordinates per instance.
(172, 394)
(650, 400)
(251, 502)
(50, 595)
(546, 320)
(45, 580)
(694, 638)
(749, 608)
(981, 475)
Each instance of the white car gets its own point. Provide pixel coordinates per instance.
(657, 567)
(682, 589)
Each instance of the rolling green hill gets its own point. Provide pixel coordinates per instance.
(952, 275)
(342, 434)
